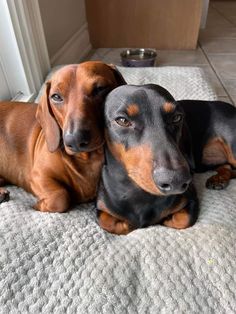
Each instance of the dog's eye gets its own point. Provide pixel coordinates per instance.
(57, 98)
(123, 122)
(100, 90)
(177, 118)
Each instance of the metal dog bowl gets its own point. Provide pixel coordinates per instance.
(138, 57)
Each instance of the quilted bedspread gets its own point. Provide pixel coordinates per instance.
(64, 263)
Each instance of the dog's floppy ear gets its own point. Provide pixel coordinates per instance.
(186, 146)
(46, 119)
(119, 78)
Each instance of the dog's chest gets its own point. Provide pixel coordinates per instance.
(83, 175)
(150, 211)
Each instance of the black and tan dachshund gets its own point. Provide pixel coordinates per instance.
(153, 146)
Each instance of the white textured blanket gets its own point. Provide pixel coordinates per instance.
(64, 263)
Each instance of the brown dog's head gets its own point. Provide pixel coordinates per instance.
(71, 107)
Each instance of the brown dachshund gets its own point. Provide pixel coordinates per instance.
(54, 150)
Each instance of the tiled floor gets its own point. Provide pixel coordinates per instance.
(216, 52)
(218, 42)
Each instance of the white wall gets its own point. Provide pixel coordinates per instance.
(5, 93)
(66, 31)
(205, 7)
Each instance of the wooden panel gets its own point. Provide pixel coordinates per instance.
(161, 24)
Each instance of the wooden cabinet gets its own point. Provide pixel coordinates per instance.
(161, 24)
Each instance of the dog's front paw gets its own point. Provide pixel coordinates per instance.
(113, 224)
(217, 182)
(4, 195)
(57, 202)
(179, 220)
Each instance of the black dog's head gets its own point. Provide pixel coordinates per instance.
(144, 132)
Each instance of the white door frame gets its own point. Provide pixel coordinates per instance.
(24, 57)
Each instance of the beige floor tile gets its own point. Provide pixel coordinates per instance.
(103, 51)
(217, 32)
(225, 98)
(217, 20)
(182, 58)
(224, 65)
(234, 99)
(224, 7)
(113, 56)
(164, 57)
(230, 86)
(214, 81)
(213, 11)
(232, 19)
(219, 45)
(109, 55)
(92, 55)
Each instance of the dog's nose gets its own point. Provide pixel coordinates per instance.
(77, 141)
(172, 181)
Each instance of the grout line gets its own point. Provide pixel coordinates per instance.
(218, 77)
(89, 55)
(222, 53)
(225, 17)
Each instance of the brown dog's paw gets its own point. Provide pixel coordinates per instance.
(217, 182)
(4, 195)
(57, 201)
(50, 207)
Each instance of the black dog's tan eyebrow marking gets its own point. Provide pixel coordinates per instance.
(168, 107)
(132, 109)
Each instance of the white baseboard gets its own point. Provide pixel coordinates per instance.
(75, 49)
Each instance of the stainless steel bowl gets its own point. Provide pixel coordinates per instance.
(138, 57)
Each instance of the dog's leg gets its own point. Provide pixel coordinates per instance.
(186, 216)
(54, 202)
(52, 197)
(221, 179)
(179, 220)
(4, 193)
(113, 224)
(2, 181)
(233, 174)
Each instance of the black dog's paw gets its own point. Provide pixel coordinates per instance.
(217, 182)
(4, 195)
